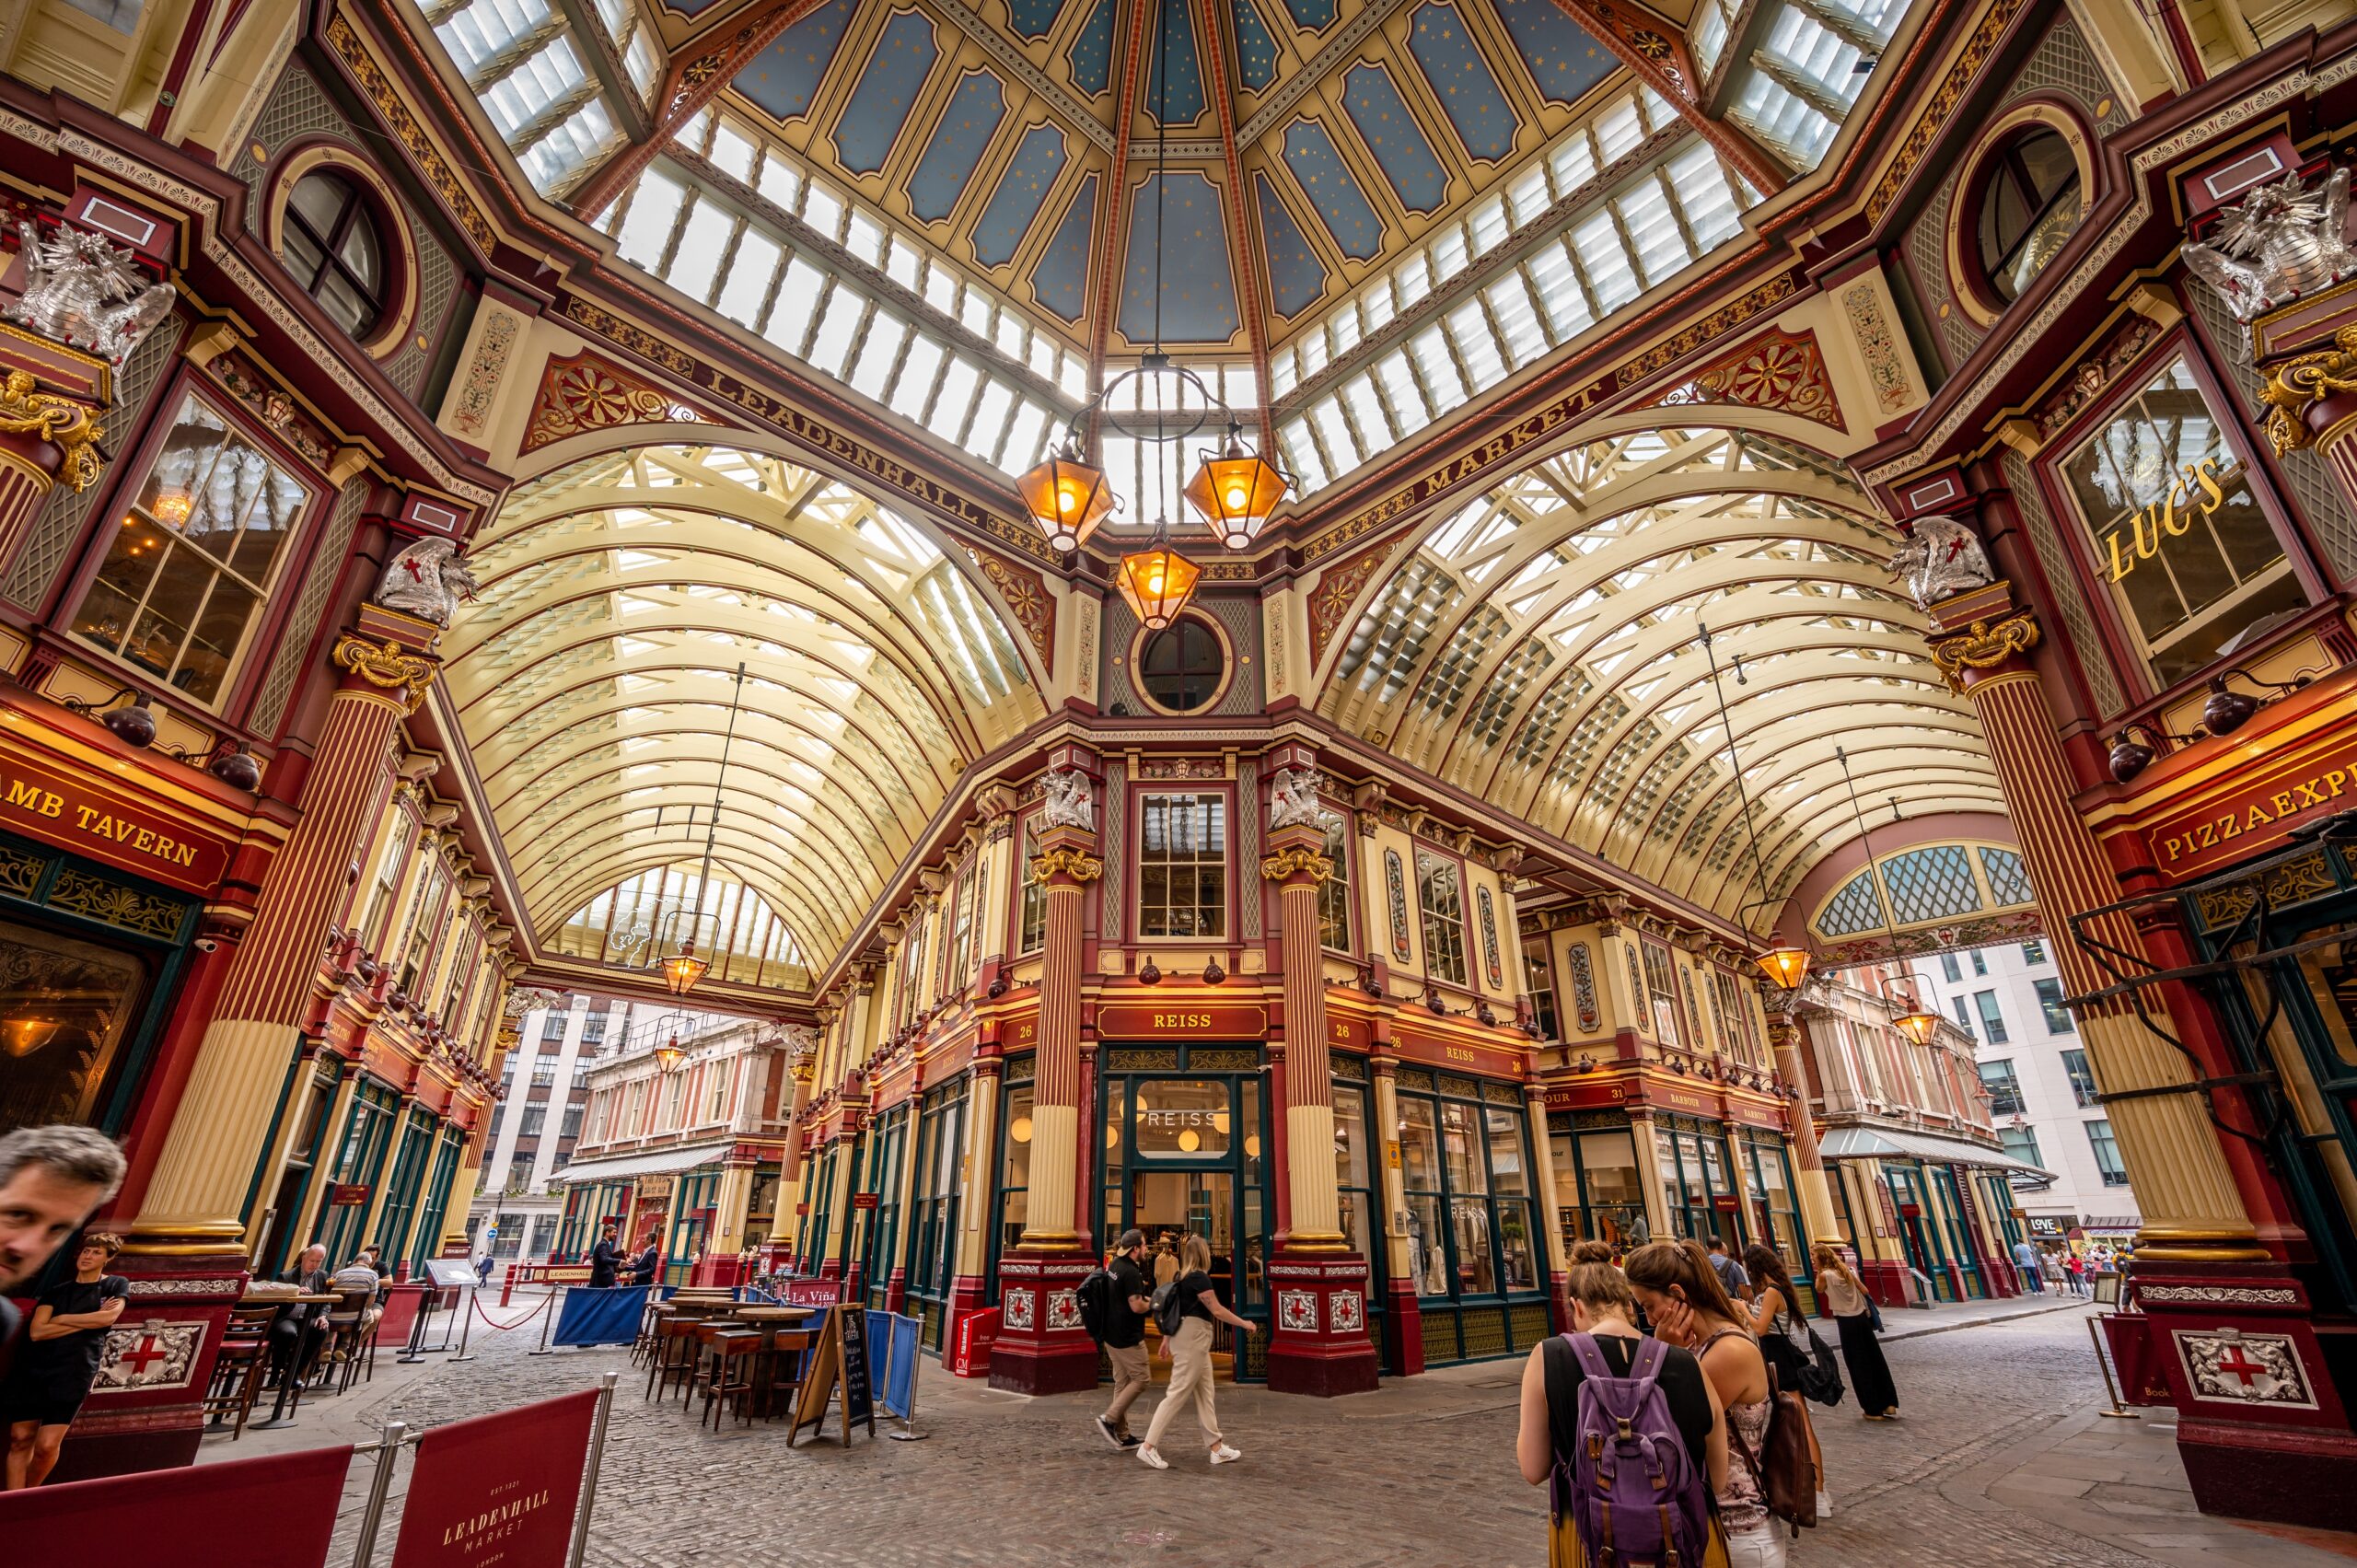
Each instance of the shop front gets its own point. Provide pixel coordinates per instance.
(1474, 1252)
(665, 1196)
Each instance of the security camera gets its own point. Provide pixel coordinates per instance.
(207, 943)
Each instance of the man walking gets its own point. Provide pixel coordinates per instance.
(2025, 1262)
(1731, 1274)
(1125, 1338)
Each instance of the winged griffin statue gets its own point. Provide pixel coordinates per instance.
(1292, 802)
(427, 580)
(1941, 558)
(2278, 242)
(1067, 804)
(85, 293)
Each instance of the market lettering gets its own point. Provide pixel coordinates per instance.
(2231, 825)
(1182, 1020)
(2170, 516)
(1458, 1053)
(493, 1518)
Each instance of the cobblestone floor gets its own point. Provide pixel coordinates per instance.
(1984, 1471)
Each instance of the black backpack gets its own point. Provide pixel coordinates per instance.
(1169, 1311)
(1095, 1296)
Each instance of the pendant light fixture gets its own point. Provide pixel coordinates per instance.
(1235, 490)
(1917, 1022)
(668, 1055)
(1784, 962)
(683, 970)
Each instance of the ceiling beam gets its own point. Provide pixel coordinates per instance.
(589, 38)
(1113, 211)
(692, 84)
(1655, 48)
(1239, 221)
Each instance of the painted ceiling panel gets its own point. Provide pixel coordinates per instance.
(1296, 277)
(1563, 57)
(1198, 286)
(1256, 51)
(784, 78)
(1327, 181)
(1039, 158)
(1392, 134)
(887, 91)
(1091, 55)
(958, 142)
(1173, 86)
(1034, 20)
(1461, 80)
(1311, 16)
(1060, 282)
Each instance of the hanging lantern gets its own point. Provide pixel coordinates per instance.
(684, 969)
(1157, 582)
(1785, 964)
(1236, 492)
(667, 1056)
(1918, 1025)
(1066, 497)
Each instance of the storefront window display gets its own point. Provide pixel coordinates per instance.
(65, 1009)
(1775, 1213)
(1471, 1243)
(1013, 1197)
(359, 1163)
(313, 1098)
(1692, 1156)
(933, 1205)
(1599, 1194)
(880, 1251)
(2178, 534)
(409, 1160)
(1353, 1170)
(815, 1247)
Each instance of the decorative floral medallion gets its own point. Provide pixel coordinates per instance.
(1584, 1004)
(1297, 1310)
(1395, 882)
(2232, 1368)
(1020, 1308)
(1490, 939)
(1345, 1311)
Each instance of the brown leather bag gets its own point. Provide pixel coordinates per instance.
(1786, 1474)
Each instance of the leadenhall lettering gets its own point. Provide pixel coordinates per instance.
(494, 1517)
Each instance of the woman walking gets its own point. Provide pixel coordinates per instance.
(1679, 1291)
(1546, 1443)
(1191, 1355)
(1785, 1339)
(1853, 1312)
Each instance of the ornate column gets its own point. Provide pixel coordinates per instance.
(1550, 1222)
(1041, 1348)
(1317, 1339)
(2213, 1296)
(1819, 1215)
(1403, 1318)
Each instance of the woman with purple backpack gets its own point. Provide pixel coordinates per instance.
(1674, 1282)
(1627, 1432)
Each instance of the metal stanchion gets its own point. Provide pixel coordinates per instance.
(589, 1482)
(2111, 1385)
(373, 1515)
(466, 1322)
(551, 1305)
(416, 1350)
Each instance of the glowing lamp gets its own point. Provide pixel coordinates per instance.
(22, 1037)
(1785, 964)
(667, 1056)
(1918, 1025)
(172, 505)
(1158, 583)
(1236, 492)
(1019, 1130)
(1066, 497)
(684, 969)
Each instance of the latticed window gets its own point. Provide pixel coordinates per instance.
(1441, 896)
(2009, 884)
(1854, 908)
(1182, 865)
(1661, 981)
(1931, 884)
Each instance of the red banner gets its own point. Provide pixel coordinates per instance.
(498, 1488)
(277, 1511)
(93, 820)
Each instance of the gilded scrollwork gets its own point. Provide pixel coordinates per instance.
(1296, 861)
(69, 426)
(1067, 862)
(2299, 383)
(388, 666)
(1984, 646)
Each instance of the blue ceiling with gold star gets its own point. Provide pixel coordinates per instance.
(1277, 154)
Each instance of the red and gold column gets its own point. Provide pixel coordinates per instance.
(2202, 1276)
(50, 397)
(1041, 1348)
(1317, 1331)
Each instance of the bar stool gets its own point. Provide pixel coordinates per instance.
(788, 1367)
(735, 1367)
(650, 1325)
(705, 1337)
(236, 1370)
(673, 1357)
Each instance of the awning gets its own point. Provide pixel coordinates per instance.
(1884, 1142)
(654, 1162)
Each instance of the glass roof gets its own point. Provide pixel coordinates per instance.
(1541, 648)
(595, 677)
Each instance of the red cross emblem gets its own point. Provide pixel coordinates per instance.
(139, 1360)
(416, 573)
(2242, 1366)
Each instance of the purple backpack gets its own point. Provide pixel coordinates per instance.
(1631, 1489)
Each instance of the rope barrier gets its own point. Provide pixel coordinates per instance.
(498, 1326)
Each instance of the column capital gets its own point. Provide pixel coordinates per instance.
(1297, 865)
(2305, 395)
(1066, 862)
(1983, 645)
(56, 435)
(388, 666)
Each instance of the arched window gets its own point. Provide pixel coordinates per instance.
(331, 243)
(2029, 204)
(1182, 666)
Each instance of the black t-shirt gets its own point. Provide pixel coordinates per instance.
(1682, 1386)
(74, 1354)
(1124, 1327)
(1192, 1286)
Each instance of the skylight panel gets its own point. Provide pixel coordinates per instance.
(988, 424)
(920, 365)
(1653, 228)
(1399, 387)
(879, 354)
(1477, 347)
(696, 261)
(837, 330)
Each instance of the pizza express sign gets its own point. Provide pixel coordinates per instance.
(2224, 829)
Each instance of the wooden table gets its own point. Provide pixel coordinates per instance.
(289, 1377)
(785, 1316)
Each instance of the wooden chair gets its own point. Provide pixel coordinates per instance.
(703, 1372)
(238, 1370)
(650, 1326)
(735, 1357)
(789, 1362)
(673, 1359)
(347, 1324)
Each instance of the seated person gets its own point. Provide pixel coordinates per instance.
(361, 1275)
(300, 1328)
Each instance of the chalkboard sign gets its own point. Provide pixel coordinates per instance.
(838, 1361)
(859, 1394)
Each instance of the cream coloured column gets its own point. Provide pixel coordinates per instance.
(1066, 864)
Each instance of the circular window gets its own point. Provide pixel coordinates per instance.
(331, 243)
(1182, 666)
(2029, 204)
